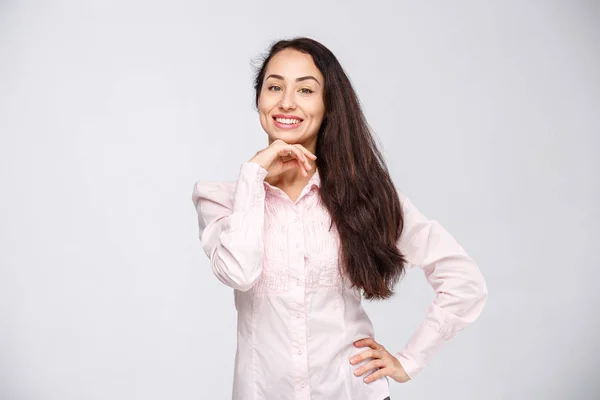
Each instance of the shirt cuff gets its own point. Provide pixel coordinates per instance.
(249, 190)
(423, 344)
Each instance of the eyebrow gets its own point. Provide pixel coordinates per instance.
(302, 78)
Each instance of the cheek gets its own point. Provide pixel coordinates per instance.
(264, 119)
(318, 106)
(266, 104)
(318, 111)
(263, 110)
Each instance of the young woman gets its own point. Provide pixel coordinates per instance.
(314, 224)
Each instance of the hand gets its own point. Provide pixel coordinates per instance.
(388, 364)
(272, 158)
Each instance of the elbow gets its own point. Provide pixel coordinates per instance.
(244, 286)
(483, 293)
(481, 290)
(241, 276)
(472, 297)
(478, 296)
(246, 281)
(480, 302)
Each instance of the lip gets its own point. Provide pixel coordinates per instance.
(286, 126)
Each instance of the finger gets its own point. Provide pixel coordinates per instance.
(297, 152)
(377, 363)
(293, 163)
(290, 151)
(286, 151)
(306, 163)
(307, 152)
(376, 375)
(363, 356)
(367, 342)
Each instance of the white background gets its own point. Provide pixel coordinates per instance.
(488, 114)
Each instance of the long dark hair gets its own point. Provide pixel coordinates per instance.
(356, 187)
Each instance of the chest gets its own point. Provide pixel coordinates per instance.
(301, 247)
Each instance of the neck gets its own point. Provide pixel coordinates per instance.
(292, 177)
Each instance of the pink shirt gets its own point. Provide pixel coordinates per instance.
(297, 316)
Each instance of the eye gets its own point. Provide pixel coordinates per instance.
(274, 88)
(306, 91)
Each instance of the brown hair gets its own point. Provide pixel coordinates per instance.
(356, 187)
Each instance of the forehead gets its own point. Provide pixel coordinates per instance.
(292, 64)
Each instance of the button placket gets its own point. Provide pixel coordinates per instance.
(297, 268)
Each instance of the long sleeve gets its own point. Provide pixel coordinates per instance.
(461, 291)
(230, 219)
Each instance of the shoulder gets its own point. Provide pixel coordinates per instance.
(404, 201)
(213, 194)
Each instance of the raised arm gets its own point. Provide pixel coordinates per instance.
(231, 226)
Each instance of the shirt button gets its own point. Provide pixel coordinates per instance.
(298, 315)
(297, 245)
(296, 219)
(299, 351)
(297, 282)
(302, 384)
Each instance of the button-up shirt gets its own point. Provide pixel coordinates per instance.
(298, 315)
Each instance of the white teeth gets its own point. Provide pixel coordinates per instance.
(287, 121)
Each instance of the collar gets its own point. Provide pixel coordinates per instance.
(315, 179)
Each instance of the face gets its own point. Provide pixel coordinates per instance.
(290, 103)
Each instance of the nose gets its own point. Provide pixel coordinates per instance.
(287, 101)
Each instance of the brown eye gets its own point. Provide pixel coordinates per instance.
(274, 88)
(306, 91)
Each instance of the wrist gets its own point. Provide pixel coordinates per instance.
(257, 160)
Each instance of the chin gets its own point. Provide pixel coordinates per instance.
(286, 136)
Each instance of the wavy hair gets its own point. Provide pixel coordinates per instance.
(356, 187)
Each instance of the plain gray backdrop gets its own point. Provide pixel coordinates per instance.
(487, 114)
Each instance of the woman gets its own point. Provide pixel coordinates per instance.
(313, 224)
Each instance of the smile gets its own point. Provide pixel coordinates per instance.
(285, 122)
